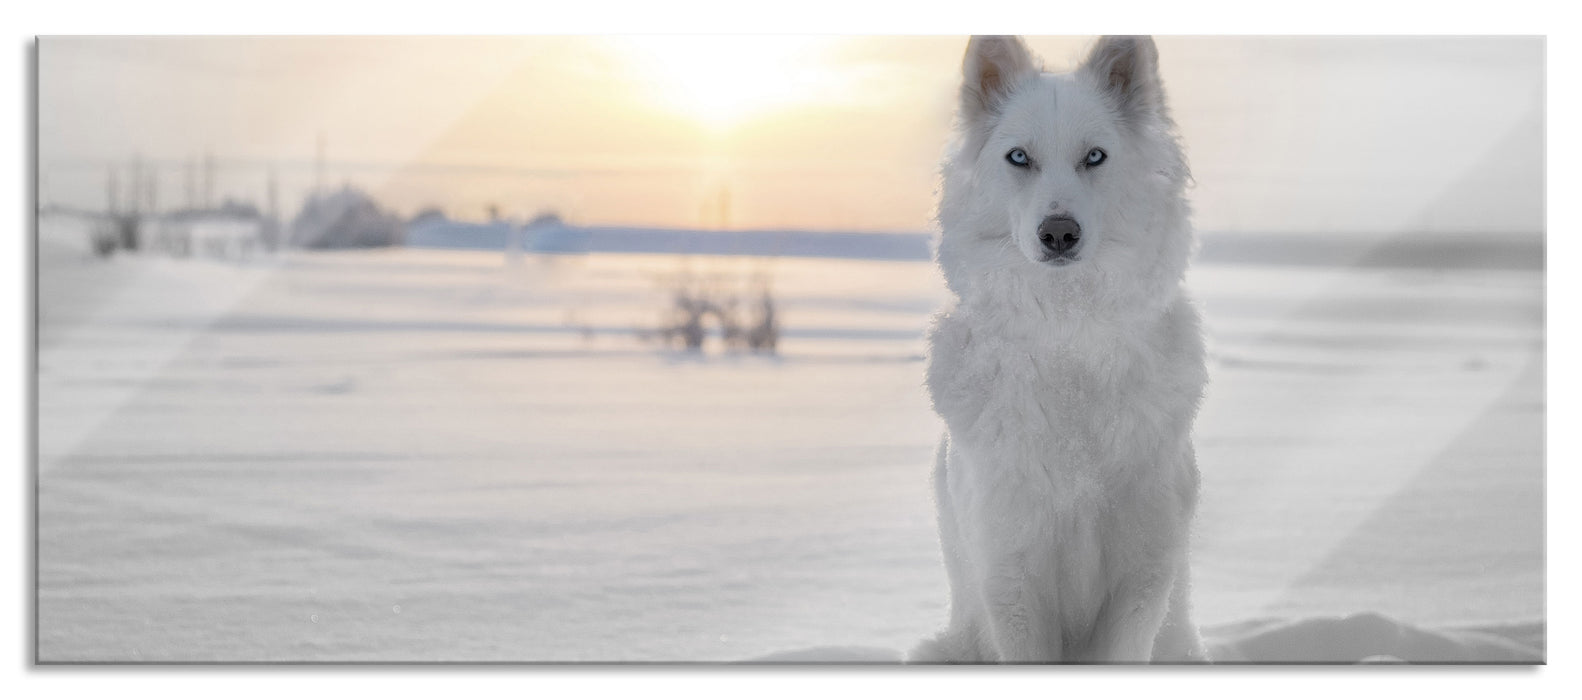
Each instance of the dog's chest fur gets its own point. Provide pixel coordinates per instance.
(1075, 417)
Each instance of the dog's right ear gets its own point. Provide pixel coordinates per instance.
(994, 66)
(1127, 67)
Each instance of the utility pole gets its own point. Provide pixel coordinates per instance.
(190, 171)
(112, 191)
(151, 191)
(272, 225)
(135, 182)
(208, 179)
(318, 166)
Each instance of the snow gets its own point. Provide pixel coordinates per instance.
(443, 455)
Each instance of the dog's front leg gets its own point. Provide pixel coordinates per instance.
(1130, 623)
(1179, 640)
(1020, 617)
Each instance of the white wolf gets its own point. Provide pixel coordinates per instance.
(1069, 367)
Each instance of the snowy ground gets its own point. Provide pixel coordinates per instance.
(417, 455)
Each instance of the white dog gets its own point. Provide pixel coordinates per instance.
(1069, 367)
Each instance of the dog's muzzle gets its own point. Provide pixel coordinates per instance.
(1060, 236)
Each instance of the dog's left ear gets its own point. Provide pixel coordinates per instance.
(993, 68)
(1127, 68)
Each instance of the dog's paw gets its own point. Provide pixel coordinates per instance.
(928, 651)
(942, 649)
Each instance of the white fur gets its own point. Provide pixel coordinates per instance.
(1066, 482)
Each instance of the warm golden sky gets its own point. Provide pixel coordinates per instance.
(832, 132)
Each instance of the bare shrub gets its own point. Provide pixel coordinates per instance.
(684, 320)
(764, 333)
(103, 238)
(697, 303)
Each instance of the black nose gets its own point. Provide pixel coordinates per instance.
(1060, 234)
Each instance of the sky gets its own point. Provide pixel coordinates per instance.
(1284, 134)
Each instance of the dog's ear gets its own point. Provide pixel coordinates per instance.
(1127, 69)
(992, 69)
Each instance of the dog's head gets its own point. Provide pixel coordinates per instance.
(1070, 170)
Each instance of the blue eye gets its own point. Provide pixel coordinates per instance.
(1095, 157)
(1017, 157)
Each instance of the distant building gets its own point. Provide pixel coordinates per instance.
(548, 234)
(428, 216)
(345, 218)
(545, 234)
(231, 230)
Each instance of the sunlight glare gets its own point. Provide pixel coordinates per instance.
(721, 81)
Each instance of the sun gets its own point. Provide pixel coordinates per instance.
(721, 81)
